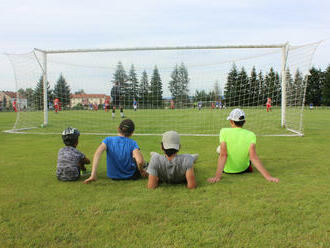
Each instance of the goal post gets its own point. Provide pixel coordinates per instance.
(211, 81)
(45, 89)
(283, 86)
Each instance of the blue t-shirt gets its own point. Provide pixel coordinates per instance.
(120, 163)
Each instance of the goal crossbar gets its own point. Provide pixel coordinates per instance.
(159, 48)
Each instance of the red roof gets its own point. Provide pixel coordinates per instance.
(90, 96)
(10, 94)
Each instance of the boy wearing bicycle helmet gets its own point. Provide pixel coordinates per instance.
(71, 162)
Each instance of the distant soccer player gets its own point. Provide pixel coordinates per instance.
(71, 162)
(116, 100)
(106, 104)
(269, 104)
(172, 104)
(311, 106)
(135, 104)
(200, 105)
(212, 105)
(90, 106)
(238, 149)
(56, 105)
(95, 106)
(14, 105)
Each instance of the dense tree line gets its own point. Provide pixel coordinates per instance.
(244, 90)
(318, 87)
(35, 98)
(241, 89)
(149, 93)
(253, 90)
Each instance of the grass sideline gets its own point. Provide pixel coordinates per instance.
(240, 211)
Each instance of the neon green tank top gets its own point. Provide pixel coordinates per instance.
(238, 141)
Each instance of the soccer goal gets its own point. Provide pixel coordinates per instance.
(189, 89)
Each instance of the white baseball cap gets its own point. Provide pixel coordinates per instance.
(236, 115)
(171, 140)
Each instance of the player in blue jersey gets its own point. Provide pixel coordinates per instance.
(135, 104)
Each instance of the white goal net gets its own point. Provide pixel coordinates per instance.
(187, 89)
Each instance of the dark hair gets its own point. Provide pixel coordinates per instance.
(239, 123)
(127, 127)
(169, 152)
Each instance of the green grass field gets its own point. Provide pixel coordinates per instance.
(244, 210)
(157, 121)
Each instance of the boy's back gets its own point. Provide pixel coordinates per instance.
(120, 163)
(170, 171)
(68, 163)
(238, 141)
(237, 148)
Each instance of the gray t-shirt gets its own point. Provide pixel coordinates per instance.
(173, 171)
(68, 163)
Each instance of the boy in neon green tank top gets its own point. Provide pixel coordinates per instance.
(237, 149)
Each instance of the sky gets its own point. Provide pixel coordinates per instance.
(73, 24)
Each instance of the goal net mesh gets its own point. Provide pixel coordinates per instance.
(191, 91)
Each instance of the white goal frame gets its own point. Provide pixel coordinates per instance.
(284, 47)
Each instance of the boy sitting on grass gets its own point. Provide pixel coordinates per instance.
(171, 167)
(237, 149)
(71, 162)
(124, 159)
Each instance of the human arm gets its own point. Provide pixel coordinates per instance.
(84, 161)
(137, 155)
(152, 181)
(96, 160)
(258, 164)
(221, 163)
(152, 171)
(190, 177)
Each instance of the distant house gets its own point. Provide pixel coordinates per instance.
(7, 97)
(85, 99)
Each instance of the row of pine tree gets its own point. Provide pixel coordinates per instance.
(241, 89)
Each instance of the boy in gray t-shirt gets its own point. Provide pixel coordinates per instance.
(70, 160)
(171, 167)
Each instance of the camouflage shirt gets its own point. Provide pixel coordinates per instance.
(68, 163)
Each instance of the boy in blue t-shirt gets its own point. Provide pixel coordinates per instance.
(124, 159)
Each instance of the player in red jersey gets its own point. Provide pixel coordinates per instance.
(106, 105)
(95, 106)
(14, 105)
(269, 104)
(172, 104)
(56, 105)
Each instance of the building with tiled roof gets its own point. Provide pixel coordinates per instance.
(86, 99)
(8, 97)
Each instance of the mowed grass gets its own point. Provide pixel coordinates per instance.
(157, 121)
(245, 210)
